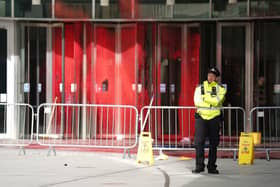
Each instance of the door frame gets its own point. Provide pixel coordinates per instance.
(185, 46)
(249, 54)
(49, 63)
(49, 55)
(12, 79)
(184, 49)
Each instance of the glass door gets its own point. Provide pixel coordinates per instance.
(267, 78)
(35, 66)
(234, 61)
(233, 64)
(267, 64)
(177, 75)
(3, 79)
(170, 41)
(38, 56)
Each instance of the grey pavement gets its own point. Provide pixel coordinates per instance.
(82, 169)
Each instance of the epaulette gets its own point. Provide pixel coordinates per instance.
(223, 86)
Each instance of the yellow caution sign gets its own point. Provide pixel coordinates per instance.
(145, 151)
(246, 149)
(256, 137)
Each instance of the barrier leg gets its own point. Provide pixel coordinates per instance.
(51, 148)
(234, 154)
(162, 156)
(267, 155)
(21, 149)
(128, 153)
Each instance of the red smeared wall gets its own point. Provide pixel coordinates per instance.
(189, 81)
(128, 86)
(73, 68)
(127, 67)
(105, 65)
(104, 71)
(122, 80)
(146, 34)
(171, 48)
(120, 77)
(57, 66)
(142, 98)
(193, 73)
(90, 73)
(57, 75)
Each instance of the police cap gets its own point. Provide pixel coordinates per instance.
(215, 71)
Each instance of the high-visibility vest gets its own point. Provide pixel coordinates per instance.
(207, 97)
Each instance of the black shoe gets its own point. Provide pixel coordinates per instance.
(213, 171)
(197, 170)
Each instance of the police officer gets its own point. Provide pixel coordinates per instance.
(207, 98)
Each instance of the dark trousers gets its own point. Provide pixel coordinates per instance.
(203, 129)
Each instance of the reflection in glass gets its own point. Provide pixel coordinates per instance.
(233, 64)
(3, 77)
(170, 74)
(265, 8)
(73, 8)
(229, 8)
(191, 8)
(35, 66)
(154, 9)
(233, 74)
(5, 8)
(3, 61)
(267, 79)
(114, 9)
(168, 9)
(33, 8)
(267, 65)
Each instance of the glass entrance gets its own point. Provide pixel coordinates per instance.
(267, 65)
(170, 74)
(233, 64)
(37, 56)
(233, 61)
(35, 66)
(3, 79)
(178, 75)
(267, 78)
(34, 86)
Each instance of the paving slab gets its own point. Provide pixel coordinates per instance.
(82, 169)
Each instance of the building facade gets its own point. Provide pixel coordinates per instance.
(128, 51)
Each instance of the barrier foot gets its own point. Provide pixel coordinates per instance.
(267, 155)
(234, 154)
(51, 148)
(21, 149)
(162, 156)
(128, 153)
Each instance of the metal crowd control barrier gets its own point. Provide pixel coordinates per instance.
(172, 127)
(266, 120)
(87, 125)
(16, 124)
